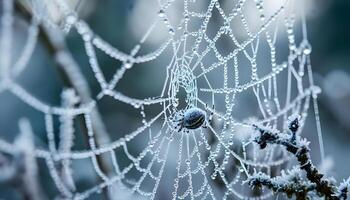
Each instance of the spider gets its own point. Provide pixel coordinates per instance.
(194, 118)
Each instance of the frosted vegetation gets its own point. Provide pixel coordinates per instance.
(231, 153)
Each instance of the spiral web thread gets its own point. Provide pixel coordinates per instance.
(210, 163)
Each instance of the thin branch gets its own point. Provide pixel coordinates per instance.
(289, 183)
(54, 42)
(300, 149)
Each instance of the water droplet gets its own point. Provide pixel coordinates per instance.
(171, 31)
(307, 49)
(301, 73)
(87, 37)
(127, 64)
(262, 17)
(161, 13)
(166, 21)
(213, 176)
(71, 19)
(185, 33)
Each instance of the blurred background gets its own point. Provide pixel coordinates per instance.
(123, 22)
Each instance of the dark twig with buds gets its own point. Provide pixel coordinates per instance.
(315, 183)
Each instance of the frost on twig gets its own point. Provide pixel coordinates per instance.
(69, 100)
(8, 169)
(28, 173)
(316, 182)
(343, 189)
(18, 164)
(290, 182)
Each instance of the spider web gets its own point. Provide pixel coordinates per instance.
(208, 163)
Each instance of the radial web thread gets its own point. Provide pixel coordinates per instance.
(267, 62)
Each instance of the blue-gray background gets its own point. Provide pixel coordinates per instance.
(328, 31)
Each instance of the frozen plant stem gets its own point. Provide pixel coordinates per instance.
(28, 174)
(300, 149)
(289, 183)
(54, 42)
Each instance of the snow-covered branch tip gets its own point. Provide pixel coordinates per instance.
(290, 182)
(315, 183)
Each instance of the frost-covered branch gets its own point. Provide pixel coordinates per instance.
(343, 189)
(18, 165)
(54, 42)
(289, 182)
(300, 149)
(69, 100)
(30, 179)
